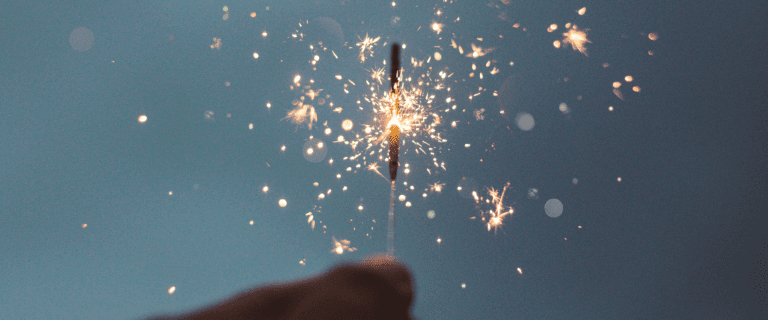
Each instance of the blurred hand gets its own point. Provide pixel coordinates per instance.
(377, 288)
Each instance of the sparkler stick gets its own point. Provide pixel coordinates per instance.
(394, 124)
(391, 225)
(394, 143)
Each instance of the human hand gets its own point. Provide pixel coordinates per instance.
(377, 288)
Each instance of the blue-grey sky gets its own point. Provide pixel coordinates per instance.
(662, 190)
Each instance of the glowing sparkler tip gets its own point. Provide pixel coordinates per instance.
(394, 128)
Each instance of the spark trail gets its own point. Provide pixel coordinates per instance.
(394, 143)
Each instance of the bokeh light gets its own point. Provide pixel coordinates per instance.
(347, 124)
(81, 39)
(553, 208)
(533, 193)
(524, 121)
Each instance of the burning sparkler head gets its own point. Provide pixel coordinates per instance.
(394, 150)
(394, 127)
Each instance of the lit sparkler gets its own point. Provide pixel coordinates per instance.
(394, 143)
(409, 115)
(394, 124)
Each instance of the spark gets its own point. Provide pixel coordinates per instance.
(375, 168)
(312, 93)
(478, 51)
(366, 47)
(436, 187)
(340, 246)
(618, 93)
(437, 27)
(377, 74)
(479, 114)
(310, 220)
(577, 39)
(302, 113)
(216, 43)
(494, 217)
(552, 28)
